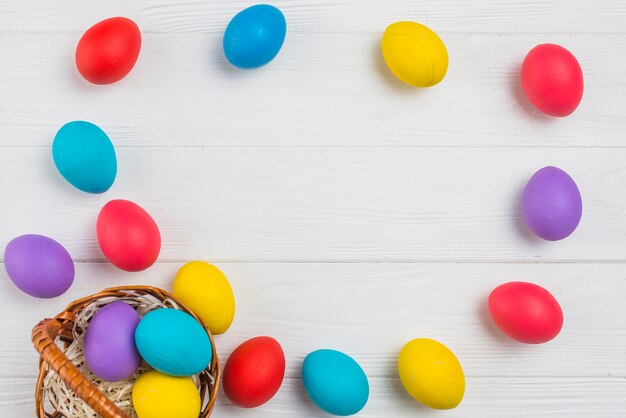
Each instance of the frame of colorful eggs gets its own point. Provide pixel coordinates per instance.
(154, 352)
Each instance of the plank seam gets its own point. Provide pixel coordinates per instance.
(374, 261)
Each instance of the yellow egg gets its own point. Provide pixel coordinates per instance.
(156, 395)
(415, 54)
(431, 373)
(205, 290)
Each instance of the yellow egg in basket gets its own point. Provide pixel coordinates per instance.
(157, 395)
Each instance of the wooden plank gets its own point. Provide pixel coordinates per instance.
(372, 310)
(321, 204)
(198, 16)
(347, 210)
(323, 90)
(485, 398)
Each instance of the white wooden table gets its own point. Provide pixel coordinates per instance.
(349, 211)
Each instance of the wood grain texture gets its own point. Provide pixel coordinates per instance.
(322, 91)
(348, 210)
(372, 310)
(329, 16)
(485, 398)
(319, 204)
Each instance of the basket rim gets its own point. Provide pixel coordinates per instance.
(60, 327)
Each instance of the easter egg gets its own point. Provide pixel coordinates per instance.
(204, 289)
(431, 373)
(552, 79)
(173, 342)
(526, 312)
(39, 266)
(108, 50)
(254, 36)
(415, 54)
(254, 372)
(109, 346)
(335, 382)
(551, 204)
(128, 236)
(85, 157)
(156, 395)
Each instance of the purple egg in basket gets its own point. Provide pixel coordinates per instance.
(110, 350)
(551, 204)
(39, 266)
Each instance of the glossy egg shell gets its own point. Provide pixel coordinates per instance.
(128, 236)
(551, 204)
(526, 312)
(254, 36)
(109, 346)
(39, 266)
(415, 54)
(156, 395)
(85, 157)
(108, 50)
(552, 79)
(205, 290)
(335, 382)
(173, 342)
(254, 372)
(431, 373)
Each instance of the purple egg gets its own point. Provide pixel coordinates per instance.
(551, 204)
(39, 266)
(110, 349)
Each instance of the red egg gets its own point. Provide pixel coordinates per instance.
(128, 236)
(254, 372)
(526, 312)
(552, 79)
(108, 50)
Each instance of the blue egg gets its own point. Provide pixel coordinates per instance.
(335, 382)
(254, 36)
(173, 342)
(85, 157)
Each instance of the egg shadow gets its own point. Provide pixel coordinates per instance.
(217, 59)
(518, 219)
(302, 395)
(495, 334)
(74, 77)
(400, 394)
(385, 73)
(517, 91)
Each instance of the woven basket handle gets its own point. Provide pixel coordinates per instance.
(44, 336)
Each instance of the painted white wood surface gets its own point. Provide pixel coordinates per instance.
(493, 397)
(372, 309)
(323, 90)
(347, 210)
(330, 16)
(327, 204)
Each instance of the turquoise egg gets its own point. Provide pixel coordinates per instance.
(173, 342)
(254, 36)
(85, 157)
(335, 382)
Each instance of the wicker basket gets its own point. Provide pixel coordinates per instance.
(52, 337)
